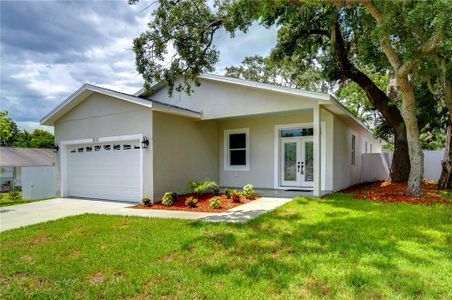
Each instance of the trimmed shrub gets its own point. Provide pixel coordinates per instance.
(200, 188)
(235, 197)
(214, 202)
(192, 202)
(15, 195)
(169, 198)
(146, 201)
(248, 191)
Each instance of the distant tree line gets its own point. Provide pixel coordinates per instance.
(12, 136)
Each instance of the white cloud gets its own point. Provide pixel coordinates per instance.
(49, 49)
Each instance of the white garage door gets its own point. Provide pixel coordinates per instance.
(105, 171)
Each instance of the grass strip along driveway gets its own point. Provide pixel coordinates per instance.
(335, 247)
(5, 201)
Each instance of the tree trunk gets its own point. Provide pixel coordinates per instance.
(400, 166)
(445, 180)
(408, 110)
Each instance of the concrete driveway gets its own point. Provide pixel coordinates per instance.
(20, 215)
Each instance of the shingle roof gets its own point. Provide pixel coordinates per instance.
(26, 157)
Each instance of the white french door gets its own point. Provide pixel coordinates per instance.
(297, 162)
(307, 162)
(290, 162)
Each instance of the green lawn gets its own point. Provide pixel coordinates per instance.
(5, 201)
(331, 248)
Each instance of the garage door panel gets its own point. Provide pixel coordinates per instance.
(105, 171)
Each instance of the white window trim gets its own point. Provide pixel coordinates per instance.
(226, 165)
(353, 150)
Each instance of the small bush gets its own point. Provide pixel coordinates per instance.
(248, 191)
(169, 198)
(192, 202)
(15, 195)
(235, 197)
(214, 202)
(146, 201)
(200, 188)
(229, 192)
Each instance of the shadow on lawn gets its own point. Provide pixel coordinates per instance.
(372, 249)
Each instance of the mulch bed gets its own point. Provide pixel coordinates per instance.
(203, 204)
(395, 192)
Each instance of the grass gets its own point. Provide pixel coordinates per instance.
(329, 248)
(446, 194)
(5, 201)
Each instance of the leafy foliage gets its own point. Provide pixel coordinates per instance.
(186, 26)
(235, 197)
(192, 202)
(10, 135)
(229, 192)
(169, 198)
(37, 139)
(203, 187)
(265, 70)
(248, 190)
(214, 202)
(146, 201)
(15, 194)
(8, 130)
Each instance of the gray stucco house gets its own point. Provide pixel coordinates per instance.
(123, 147)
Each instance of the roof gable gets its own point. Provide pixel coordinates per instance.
(87, 90)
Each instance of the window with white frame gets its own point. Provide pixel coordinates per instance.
(236, 149)
(353, 152)
(370, 148)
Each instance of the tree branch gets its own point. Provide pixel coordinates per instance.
(313, 31)
(431, 44)
(385, 43)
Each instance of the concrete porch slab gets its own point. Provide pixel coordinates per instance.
(289, 193)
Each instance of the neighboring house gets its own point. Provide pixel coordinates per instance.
(123, 147)
(12, 160)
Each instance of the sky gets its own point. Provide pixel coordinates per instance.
(50, 48)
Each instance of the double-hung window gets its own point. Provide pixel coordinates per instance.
(236, 150)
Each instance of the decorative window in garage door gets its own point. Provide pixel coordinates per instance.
(107, 147)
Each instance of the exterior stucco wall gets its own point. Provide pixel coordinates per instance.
(219, 100)
(262, 148)
(102, 116)
(345, 174)
(184, 149)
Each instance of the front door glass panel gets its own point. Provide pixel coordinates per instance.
(290, 161)
(308, 161)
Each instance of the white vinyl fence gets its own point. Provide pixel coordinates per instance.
(376, 166)
(38, 182)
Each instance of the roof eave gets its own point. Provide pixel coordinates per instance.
(338, 104)
(268, 87)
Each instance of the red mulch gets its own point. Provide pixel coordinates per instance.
(395, 192)
(203, 203)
